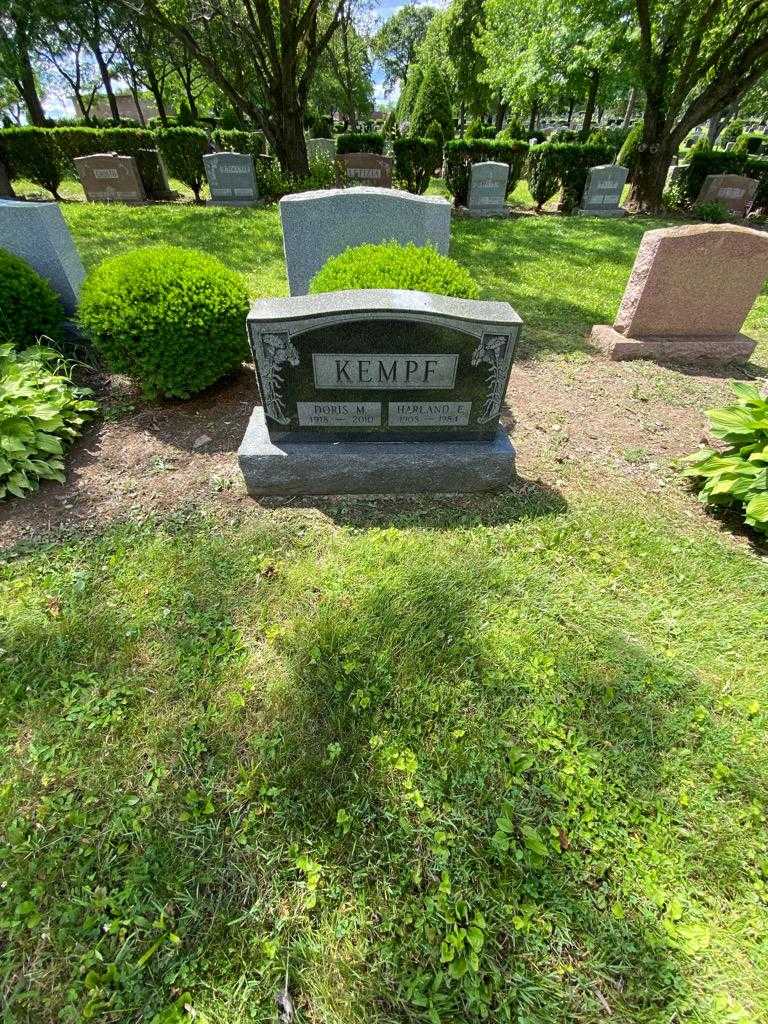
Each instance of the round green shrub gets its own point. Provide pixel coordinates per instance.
(29, 307)
(392, 265)
(173, 319)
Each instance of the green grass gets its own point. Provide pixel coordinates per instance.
(562, 274)
(505, 764)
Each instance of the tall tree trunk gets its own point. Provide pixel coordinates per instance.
(713, 128)
(534, 115)
(631, 97)
(106, 79)
(571, 105)
(157, 93)
(26, 84)
(287, 131)
(589, 110)
(657, 148)
(501, 111)
(462, 118)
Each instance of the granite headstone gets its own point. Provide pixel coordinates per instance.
(109, 178)
(379, 390)
(38, 234)
(321, 224)
(688, 295)
(366, 169)
(602, 192)
(231, 178)
(321, 149)
(487, 188)
(734, 191)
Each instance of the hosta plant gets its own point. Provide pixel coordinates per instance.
(41, 412)
(738, 475)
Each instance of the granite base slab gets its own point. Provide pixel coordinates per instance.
(715, 350)
(620, 212)
(233, 202)
(371, 467)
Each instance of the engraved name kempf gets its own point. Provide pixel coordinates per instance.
(338, 370)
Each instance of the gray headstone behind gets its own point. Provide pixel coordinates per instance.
(488, 187)
(38, 234)
(602, 192)
(321, 149)
(232, 179)
(318, 225)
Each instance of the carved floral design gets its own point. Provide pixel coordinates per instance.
(275, 351)
(496, 350)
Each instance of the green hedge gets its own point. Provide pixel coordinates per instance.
(34, 153)
(360, 142)
(460, 154)
(234, 140)
(565, 164)
(391, 265)
(86, 141)
(182, 150)
(415, 162)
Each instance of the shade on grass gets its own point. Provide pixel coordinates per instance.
(509, 761)
(561, 274)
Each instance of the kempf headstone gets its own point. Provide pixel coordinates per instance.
(487, 188)
(6, 189)
(232, 179)
(602, 192)
(318, 225)
(37, 233)
(366, 169)
(734, 191)
(688, 295)
(321, 149)
(109, 178)
(378, 391)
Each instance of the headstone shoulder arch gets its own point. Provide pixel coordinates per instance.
(320, 224)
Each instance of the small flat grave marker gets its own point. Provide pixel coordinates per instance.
(232, 179)
(602, 192)
(109, 178)
(487, 188)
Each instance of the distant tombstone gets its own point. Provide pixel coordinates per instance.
(602, 192)
(688, 295)
(366, 169)
(109, 178)
(734, 191)
(321, 224)
(350, 381)
(321, 149)
(231, 178)
(674, 174)
(487, 188)
(153, 175)
(38, 234)
(6, 189)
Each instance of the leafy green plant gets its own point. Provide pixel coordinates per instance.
(433, 103)
(460, 154)
(543, 177)
(34, 153)
(236, 141)
(392, 265)
(171, 318)
(182, 150)
(630, 149)
(713, 212)
(737, 476)
(360, 142)
(415, 160)
(29, 307)
(41, 412)
(477, 130)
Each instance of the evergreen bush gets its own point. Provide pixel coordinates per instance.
(477, 130)
(360, 142)
(433, 103)
(630, 150)
(460, 154)
(409, 93)
(29, 307)
(415, 160)
(34, 153)
(182, 150)
(392, 265)
(173, 319)
(543, 174)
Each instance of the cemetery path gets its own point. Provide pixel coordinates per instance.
(577, 422)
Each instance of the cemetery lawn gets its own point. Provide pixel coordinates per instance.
(453, 759)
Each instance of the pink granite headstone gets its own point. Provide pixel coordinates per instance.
(365, 169)
(734, 191)
(688, 295)
(109, 178)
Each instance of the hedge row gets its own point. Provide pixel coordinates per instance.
(360, 142)
(563, 165)
(460, 154)
(234, 140)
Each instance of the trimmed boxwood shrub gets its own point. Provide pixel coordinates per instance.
(543, 175)
(392, 265)
(234, 140)
(568, 163)
(182, 150)
(34, 153)
(415, 162)
(360, 142)
(29, 307)
(460, 154)
(628, 154)
(86, 141)
(173, 319)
